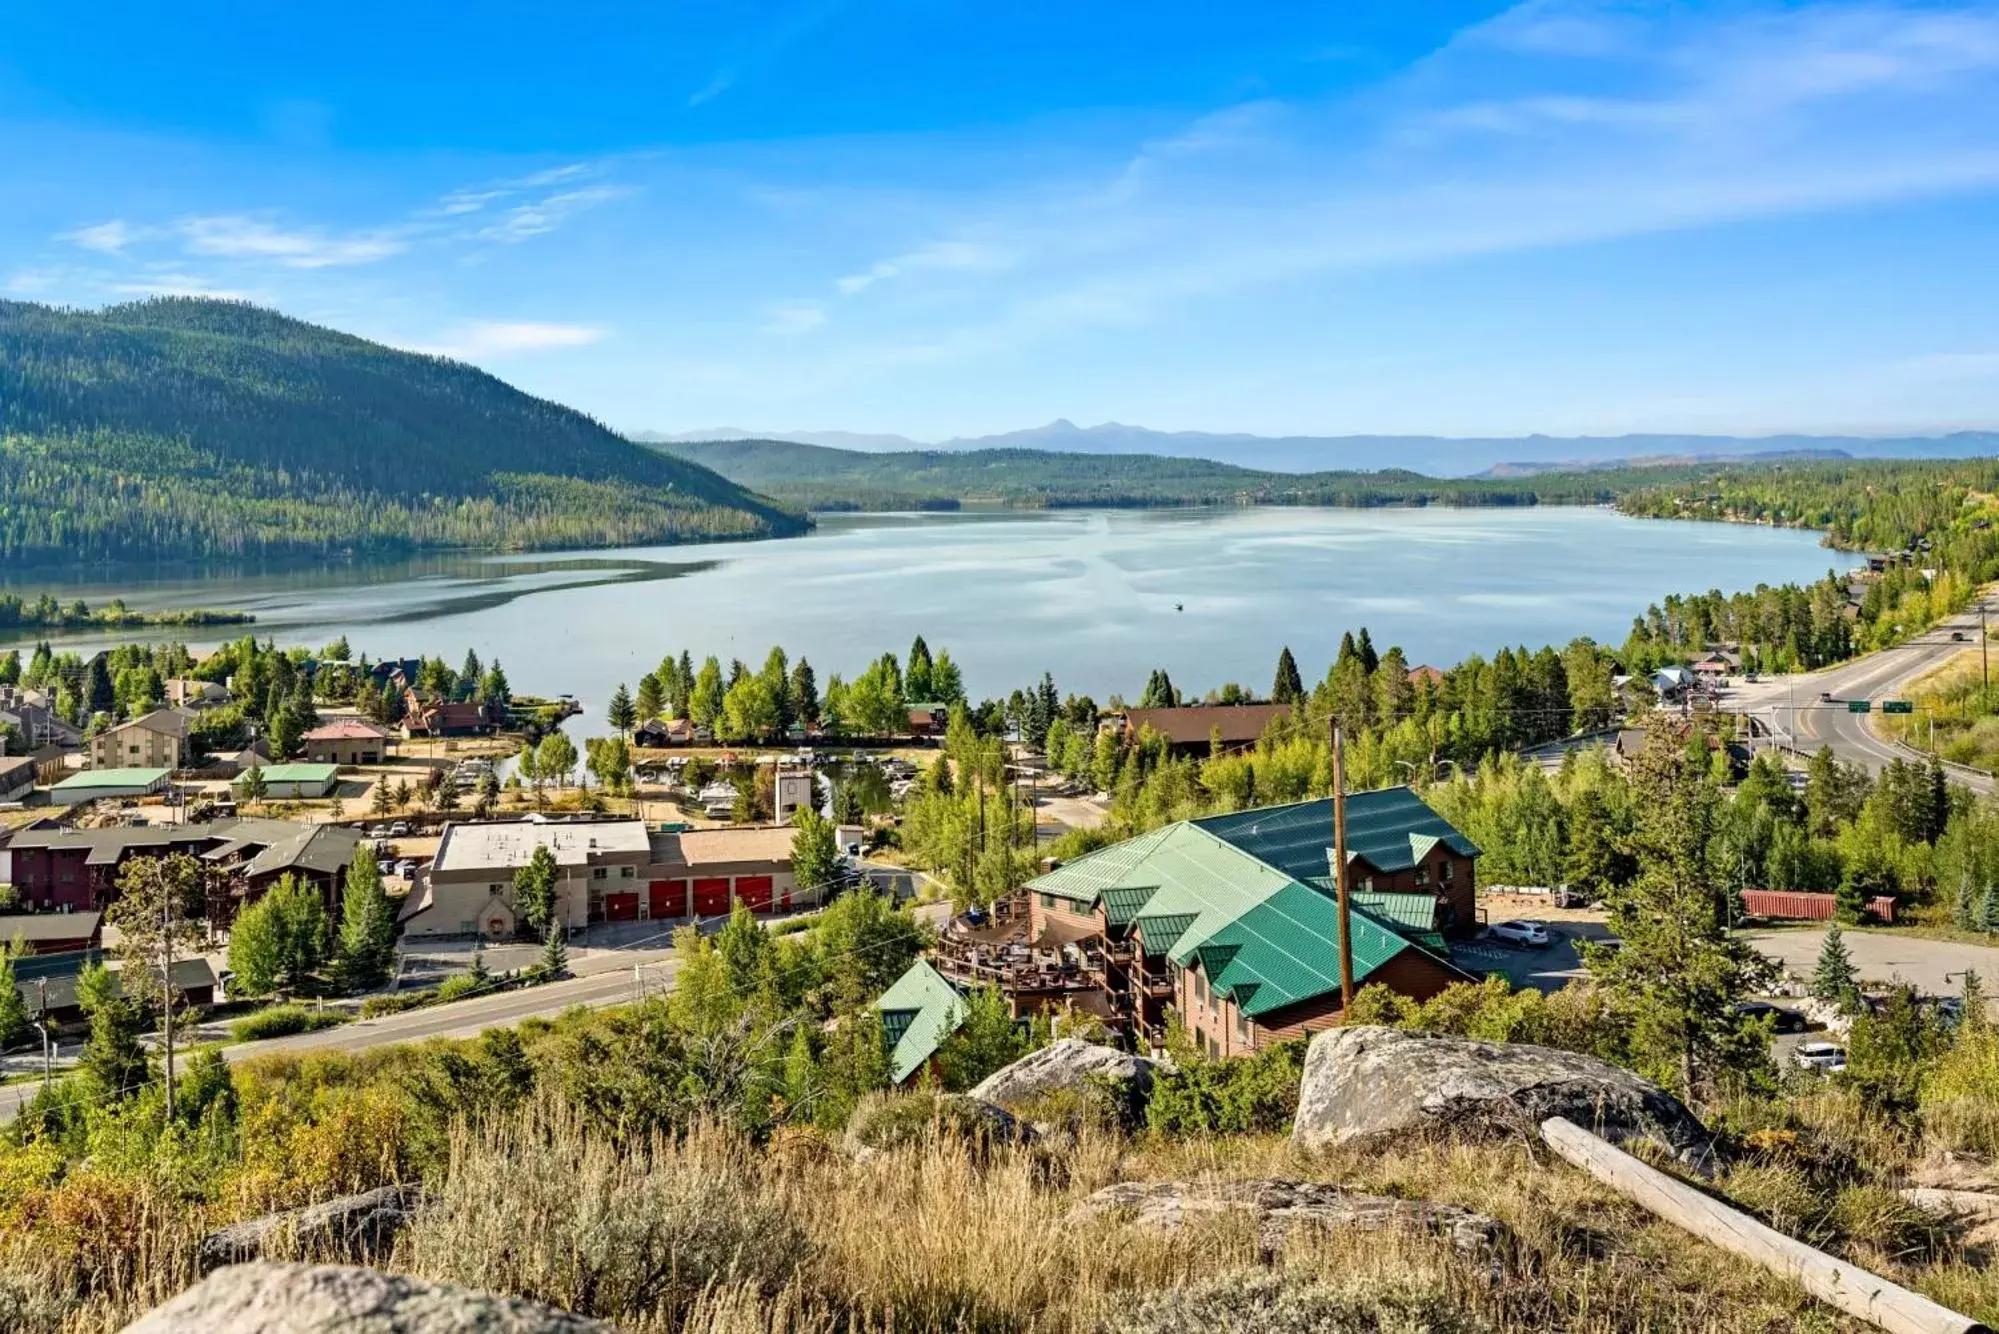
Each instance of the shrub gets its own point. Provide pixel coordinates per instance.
(1262, 1302)
(1246, 1093)
(280, 1021)
(397, 1002)
(631, 1232)
(461, 986)
(899, 1120)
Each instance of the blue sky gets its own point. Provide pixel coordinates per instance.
(939, 219)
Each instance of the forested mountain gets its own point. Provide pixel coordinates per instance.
(818, 477)
(178, 427)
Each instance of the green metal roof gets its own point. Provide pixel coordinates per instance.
(1123, 904)
(1085, 879)
(1406, 912)
(299, 773)
(1287, 949)
(1390, 828)
(112, 778)
(918, 1012)
(1160, 930)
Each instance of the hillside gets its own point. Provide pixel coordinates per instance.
(183, 428)
(1434, 456)
(823, 478)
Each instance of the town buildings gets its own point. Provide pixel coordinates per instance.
(1231, 921)
(607, 870)
(347, 741)
(1196, 728)
(157, 740)
(17, 777)
(55, 869)
(292, 782)
(108, 785)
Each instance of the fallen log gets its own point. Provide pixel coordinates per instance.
(1835, 1282)
(1953, 1203)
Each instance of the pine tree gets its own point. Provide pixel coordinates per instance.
(251, 787)
(366, 949)
(555, 951)
(15, 1020)
(113, 1061)
(1288, 685)
(622, 713)
(649, 701)
(1836, 981)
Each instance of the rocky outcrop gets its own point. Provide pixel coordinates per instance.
(1376, 1084)
(353, 1227)
(1280, 1207)
(1071, 1066)
(270, 1298)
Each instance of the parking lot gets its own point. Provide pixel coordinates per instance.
(1933, 967)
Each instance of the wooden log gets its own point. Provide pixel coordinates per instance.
(1953, 1203)
(1836, 1283)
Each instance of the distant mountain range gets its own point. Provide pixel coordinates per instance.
(1434, 456)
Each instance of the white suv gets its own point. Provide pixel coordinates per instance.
(1531, 934)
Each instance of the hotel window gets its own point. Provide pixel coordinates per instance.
(1422, 877)
(599, 873)
(1444, 873)
(627, 872)
(1048, 900)
(1241, 1026)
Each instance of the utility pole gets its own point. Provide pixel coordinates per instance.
(167, 987)
(42, 1023)
(1340, 871)
(1984, 657)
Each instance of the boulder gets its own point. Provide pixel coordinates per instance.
(271, 1298)
(353, 1227)
(892, 1121)
(1375, 1084)
(1071, 1065)
(1280, 1206)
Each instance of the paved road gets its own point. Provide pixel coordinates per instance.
(1933, 967)
(461, 1019)
(1792, 704)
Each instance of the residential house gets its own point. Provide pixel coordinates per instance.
(1194, 729)
(157, 740)
(188, 693)
(31, 713)
(449, 718)
(1423, 673)
(919, 1012)
(48, 983)
(1232, 920)
(17, 777)
(608, 870)
(346, 741)
(659, 733)
(57, 869)
(1673, 684)
(52, 932)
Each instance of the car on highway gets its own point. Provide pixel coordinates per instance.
(1824, 1056)
(1957, 636)
(1781, 1019)
(1529, 935)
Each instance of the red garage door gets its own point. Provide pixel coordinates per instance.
(755, 891)
(711, 897)
(669, 898)
(622, 907)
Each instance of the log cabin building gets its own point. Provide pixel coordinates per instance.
(1231, 921)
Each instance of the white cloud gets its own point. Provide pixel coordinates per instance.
(31, 282)
(485, 338)
(545, 215)
(935, 257)
(173, 283)
(795, 317)
(109, 237)
(235, 236)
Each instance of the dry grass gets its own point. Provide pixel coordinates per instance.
(708, 1234)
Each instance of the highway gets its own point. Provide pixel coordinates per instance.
(1792, 705)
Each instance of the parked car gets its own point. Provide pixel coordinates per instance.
(400, 829)
(1532, 935)
(1826, 1056)
(1781, 1019)
(386, 866)
(1569, 898)
(406, 868)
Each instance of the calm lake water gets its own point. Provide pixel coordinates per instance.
(1097, 597)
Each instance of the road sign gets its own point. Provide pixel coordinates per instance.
(1859, 706)
(1897, 706)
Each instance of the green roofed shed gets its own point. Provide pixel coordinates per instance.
(918, 1013)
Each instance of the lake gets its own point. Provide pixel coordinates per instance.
(1097, 597)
